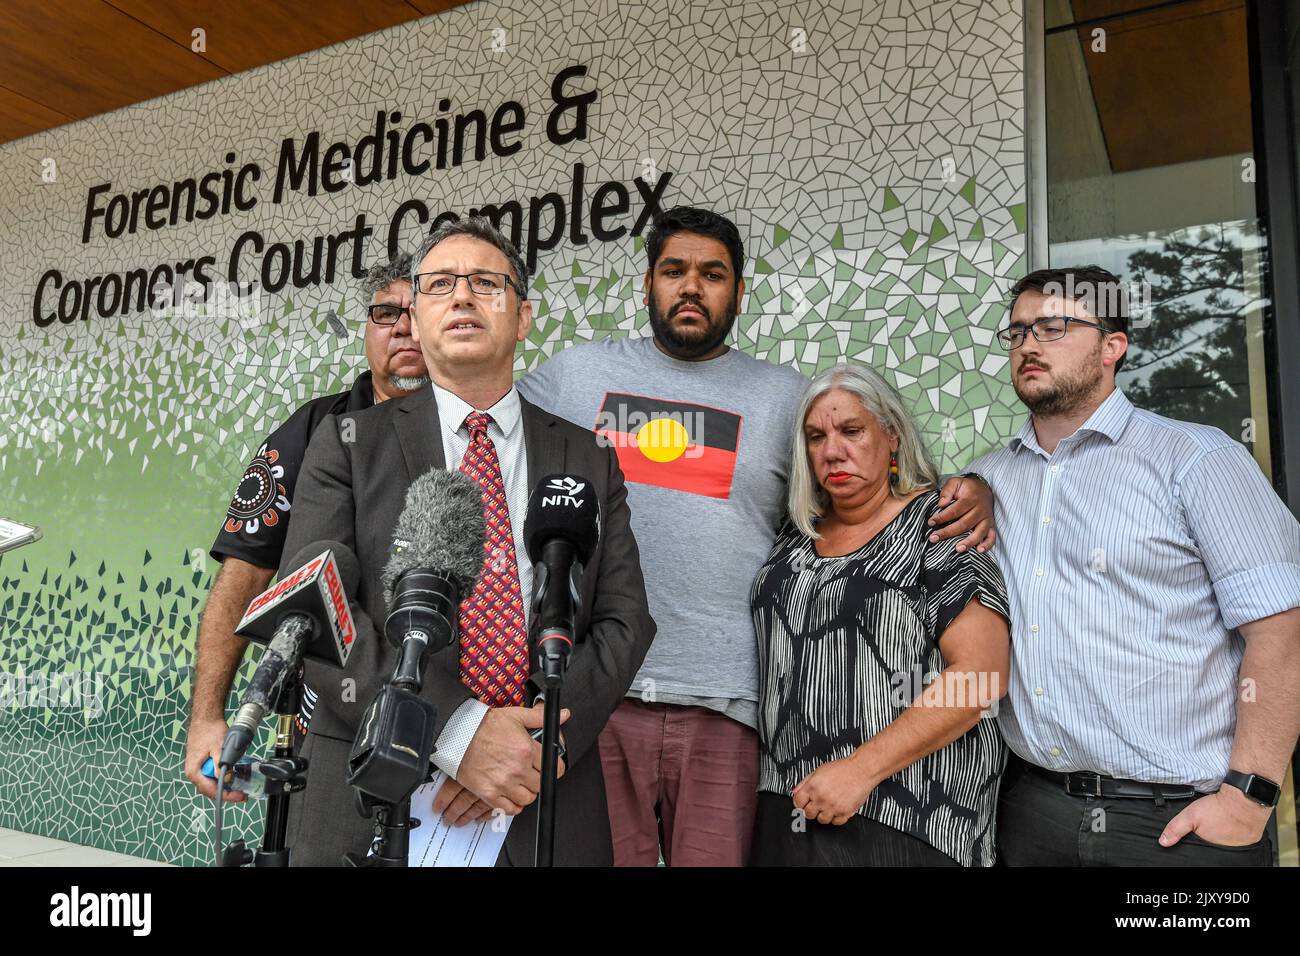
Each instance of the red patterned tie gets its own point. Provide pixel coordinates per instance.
(493, 640)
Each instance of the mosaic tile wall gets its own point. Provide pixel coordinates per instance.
(871, 153)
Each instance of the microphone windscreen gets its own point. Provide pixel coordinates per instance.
(441, 528)
(563, 506)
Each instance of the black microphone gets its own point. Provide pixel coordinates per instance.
(436, 558)
(305, 614)
(561, 532)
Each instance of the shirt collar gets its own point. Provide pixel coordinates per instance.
(362, 394)
(1110, 419)
(452, 410)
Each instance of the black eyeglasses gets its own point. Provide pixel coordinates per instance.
(480, 283)
(1047, 329)
(387, 314)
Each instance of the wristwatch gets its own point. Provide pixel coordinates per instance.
(1260, 789)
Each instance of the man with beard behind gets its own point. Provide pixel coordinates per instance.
(703, 435)
(1154, 582)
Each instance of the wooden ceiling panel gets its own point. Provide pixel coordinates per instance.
(242, 34)
(429, 7)
(65, 60)
(21, 117)
(1148, 13)
(82, 58)
(1090, 9)
(1172, 85)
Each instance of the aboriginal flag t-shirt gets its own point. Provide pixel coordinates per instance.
(705, 450)
(679, 445)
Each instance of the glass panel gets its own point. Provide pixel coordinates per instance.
(1288, 844)
(1064, 12)
(1150, 175)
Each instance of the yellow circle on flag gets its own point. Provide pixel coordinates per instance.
(662, 439)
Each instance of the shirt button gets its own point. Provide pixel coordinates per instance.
(1046, 520)
(1038, 691)
(1034, 628)
(1056, 751)
(1056, 468)
(1038, 571)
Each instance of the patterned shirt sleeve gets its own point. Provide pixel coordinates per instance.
(950, 579)
(257, 519)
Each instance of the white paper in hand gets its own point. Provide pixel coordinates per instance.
(434, 843)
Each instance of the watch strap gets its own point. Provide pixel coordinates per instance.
(1260, 789)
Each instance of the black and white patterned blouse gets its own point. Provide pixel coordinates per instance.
(846, 643)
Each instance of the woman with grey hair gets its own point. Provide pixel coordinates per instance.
(879, 651)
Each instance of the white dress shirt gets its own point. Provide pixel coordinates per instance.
(507, 434)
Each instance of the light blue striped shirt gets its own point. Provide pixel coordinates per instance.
(1131, 554)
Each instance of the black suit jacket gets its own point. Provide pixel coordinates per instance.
(352, 489)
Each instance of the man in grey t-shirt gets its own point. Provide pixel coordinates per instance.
(703, 434)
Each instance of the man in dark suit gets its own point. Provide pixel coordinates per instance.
(470, 313)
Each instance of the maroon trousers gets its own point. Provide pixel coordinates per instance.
(681, 778)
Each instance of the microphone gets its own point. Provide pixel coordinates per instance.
(305, 614)
(436, 558)
(561, 532)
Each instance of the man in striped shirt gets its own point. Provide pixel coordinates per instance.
(1154, 579)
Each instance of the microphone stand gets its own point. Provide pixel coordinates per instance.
(285, 774)
(393, 821)
(552, 683)
(554, 643)
(391, 753)
(393, 826)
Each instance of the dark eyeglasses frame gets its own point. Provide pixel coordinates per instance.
(370, 312)
(466, 276)
(1033, 327)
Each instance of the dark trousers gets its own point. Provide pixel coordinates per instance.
(1039, 824)
(859, 842)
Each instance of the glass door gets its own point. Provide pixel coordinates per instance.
(1142, 151)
